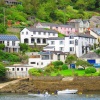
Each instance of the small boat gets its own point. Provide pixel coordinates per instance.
(67, 91)
(39, 95)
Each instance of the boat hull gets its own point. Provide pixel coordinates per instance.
(67, 91)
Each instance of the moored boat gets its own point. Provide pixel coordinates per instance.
(67, 91)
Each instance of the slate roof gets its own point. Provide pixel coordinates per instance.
(56, 25)
(51, 52)
(96, 30)
(8, 38)
(49, 47)
(90, 55)
(81, 35)
(41, 30)
(55, 38)
(11, 0)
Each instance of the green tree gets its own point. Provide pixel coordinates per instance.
(2, 71)
(23, 47)
(2, 29)
(2, 46)
(70, 59)
(82, 63)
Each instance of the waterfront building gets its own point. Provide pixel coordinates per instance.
(11, 43)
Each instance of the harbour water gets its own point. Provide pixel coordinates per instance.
(52, 97)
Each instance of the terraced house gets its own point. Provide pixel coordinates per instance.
(64, 29)
(11, 43)
(78, 44)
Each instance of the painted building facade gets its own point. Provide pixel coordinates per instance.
(64, 29)
(11, 43)
(36, 35)
(78, 44)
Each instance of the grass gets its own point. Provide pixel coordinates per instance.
(73, 72)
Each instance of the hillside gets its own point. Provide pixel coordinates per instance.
(58, 11)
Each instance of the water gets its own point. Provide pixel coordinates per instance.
(52, 97)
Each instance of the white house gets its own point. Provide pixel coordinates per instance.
(80, 25)
(11, 43)
(18, 71)
(36, 35)
(43, 58)
(78, 44)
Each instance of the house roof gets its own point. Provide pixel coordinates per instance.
(90, 55)
(96, 30)
(81, 35)
(20, 65)
(58, 52)
(49, 47)
(51, 52)
(75, 20)
(8, 38)
(55, 38)
(57, 25)
(41, 30)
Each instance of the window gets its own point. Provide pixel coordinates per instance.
(71, 42)
(22, 32)
(26, 40)
(53, 34)
(17, 69)
(37, 63)
(71, 37)
(39, 33)
(61, 42)
(26, 69)
(52, 42)
(34, 33)
(33, 62)
(13, 69)
(13, 43)
(44, 40)
(71, 48)
(58, 56)
(38, 40)
(61, 48)
(44, 33)
(32, 40)
(26, 33)
(7, 43)
(49, 33)
(21, 69)
(41, 63)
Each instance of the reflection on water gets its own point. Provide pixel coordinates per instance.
(52, 97)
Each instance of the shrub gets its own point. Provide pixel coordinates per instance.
(34, 72)
(90, 70)
(57, 63)
(64, 67)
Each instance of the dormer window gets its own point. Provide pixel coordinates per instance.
(71, 37)
(22, 32)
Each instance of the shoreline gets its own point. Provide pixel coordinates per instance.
(83, 84)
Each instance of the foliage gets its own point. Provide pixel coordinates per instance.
(2, 29)
(2, 46)
(23, 47)
(9, 57)
(70, 59)
(64, 67)
(90, 70)
(82, 63)
(61, 35)
(34, 72)
(2, 70)
(57, 64)
(97, 51)
(49, 69)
